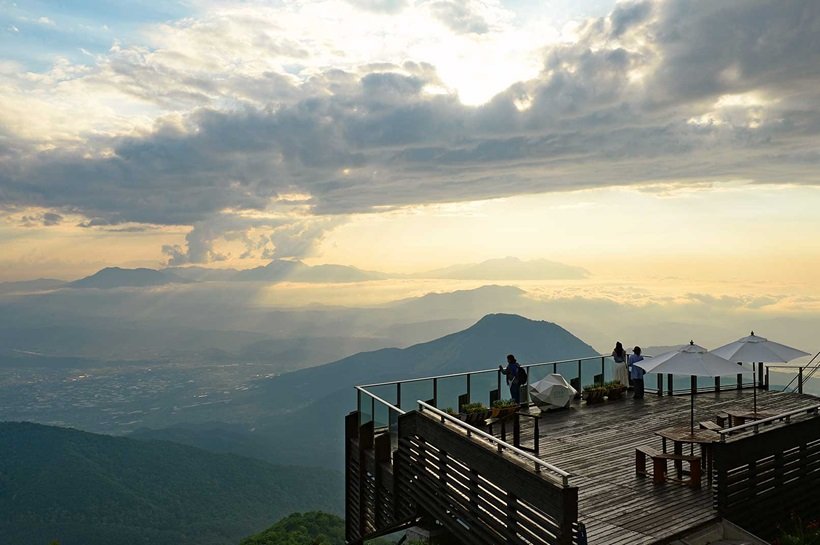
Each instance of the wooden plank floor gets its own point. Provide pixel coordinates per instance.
(597, 445)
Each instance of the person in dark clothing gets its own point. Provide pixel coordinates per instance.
(514, 373)
(636, 373)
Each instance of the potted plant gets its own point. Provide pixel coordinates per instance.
(503, 407)
(594, 393)
(614, 390)
(474, 413)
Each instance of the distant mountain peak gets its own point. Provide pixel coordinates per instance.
(117, 277)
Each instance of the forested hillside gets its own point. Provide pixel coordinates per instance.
(87, 489)
(313, 528)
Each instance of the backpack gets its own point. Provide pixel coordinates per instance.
(521, 375)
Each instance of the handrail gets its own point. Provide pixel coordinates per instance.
(380, 400)
(500, 445)
(493, 370)
(756, 423)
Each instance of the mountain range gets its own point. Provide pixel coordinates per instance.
(87, 489)
(287, 270)
(115, 277)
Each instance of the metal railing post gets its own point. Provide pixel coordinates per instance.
(740, 381)
(469, 395)
(603, 368)
(660, 384)
(767, 378)
(800, 380)
(435, 393)
(359, 405)
(670, 383)
(580, 382)
(398, 395)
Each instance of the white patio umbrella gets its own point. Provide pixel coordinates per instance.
(689, 360)
(551, 391)
(754, 349)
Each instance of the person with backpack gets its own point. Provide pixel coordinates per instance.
(516, 377)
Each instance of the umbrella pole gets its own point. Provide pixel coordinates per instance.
(754, 386)
(693, 383)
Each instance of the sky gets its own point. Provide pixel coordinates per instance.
(664, 141)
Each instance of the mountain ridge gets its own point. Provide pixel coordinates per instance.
(79, 487)
(117, 277)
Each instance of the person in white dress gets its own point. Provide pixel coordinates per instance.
(621, 371)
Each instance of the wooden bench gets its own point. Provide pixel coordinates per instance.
(709, 425)
(722, 419)
(659, 460)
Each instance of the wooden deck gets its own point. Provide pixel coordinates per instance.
(597, 445)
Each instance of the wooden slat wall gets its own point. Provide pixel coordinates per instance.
(481, 497)
(761, 479)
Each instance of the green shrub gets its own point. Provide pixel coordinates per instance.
(470, 408)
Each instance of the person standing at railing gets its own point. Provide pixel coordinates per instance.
(516, 377)
(621, 370)
(636, 373)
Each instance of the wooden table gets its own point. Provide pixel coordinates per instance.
(683, 434)
(740, 416)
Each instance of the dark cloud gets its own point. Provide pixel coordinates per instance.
(46, 219)
(673, 90)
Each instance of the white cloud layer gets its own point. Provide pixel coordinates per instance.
(358, 105)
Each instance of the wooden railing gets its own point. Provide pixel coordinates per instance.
(482, 489)
(496, 443)
(483, 498)
(763, 477)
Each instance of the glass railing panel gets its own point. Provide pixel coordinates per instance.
(365, 404)
(448, 390)
(589, 369)
(414, 391)
(482, 383)
(538, 372)
(785, 379)
(393, 427)
(381, 415)
(609, 369)
(569, 370)
(387, 392)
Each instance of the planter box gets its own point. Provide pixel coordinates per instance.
(476, 418)
(593, 397)
(615, 393)
(501, 412)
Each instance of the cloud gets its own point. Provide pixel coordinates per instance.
(46, 219)
(655, 92)
(460, 16)
(382, 6)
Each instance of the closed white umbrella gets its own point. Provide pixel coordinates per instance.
(689, 360)
(552, 391)
(754, 349)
